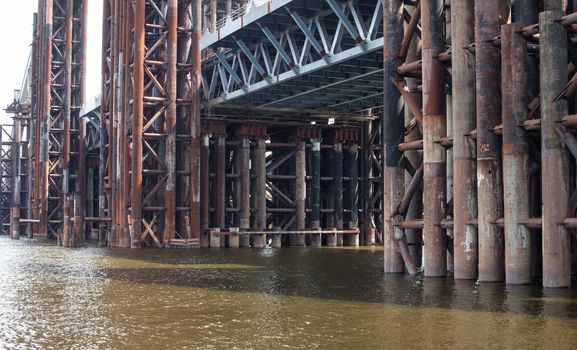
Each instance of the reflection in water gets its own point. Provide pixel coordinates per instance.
(98, 298)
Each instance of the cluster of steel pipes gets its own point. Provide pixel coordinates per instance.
(149, 190)
(265, 184)
(48, 136)
(469, 168)
(492, 137)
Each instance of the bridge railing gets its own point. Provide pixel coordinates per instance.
(237, 13)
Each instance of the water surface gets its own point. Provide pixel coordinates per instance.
(299, 298)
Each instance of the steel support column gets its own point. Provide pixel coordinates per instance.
(554, 155)
(518, 242)
(259, 240)
(353, 194)
(300, 194)
(434, 128)
(465, 242)
(489, 177)
(315, 155)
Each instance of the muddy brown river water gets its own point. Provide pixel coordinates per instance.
(301, 298)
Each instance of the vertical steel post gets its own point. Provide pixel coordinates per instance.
(104, 117)
(315, 154)
(81, 167)
(16, 172)
(204, 191)
(67, 221)
(196, 76)
(259, 240)
(328, 158)
(228, 8)
(244, 160)
(67, 112)
(353, 194)
(78, 234)
(300, 194)
(337, 166)
(137, 120)
(489, 177)
(392, 130)
(220, 155)
(213, 14)
(44, 161)
(434, 128)
(170, 124)
(367, 226)
(518, 243)
(554, 156)
(465, 243)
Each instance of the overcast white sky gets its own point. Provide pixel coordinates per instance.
(16, 26)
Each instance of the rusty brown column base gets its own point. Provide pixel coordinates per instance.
(15, 223)
(394, 187)
(276, 241)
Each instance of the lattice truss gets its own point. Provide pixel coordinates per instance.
(6, 176)
(165, 200)
(304, 41)
(59, 182)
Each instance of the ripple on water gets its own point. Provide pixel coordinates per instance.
(95, 298)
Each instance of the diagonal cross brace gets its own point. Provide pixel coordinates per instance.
(344, 20)
(251, 57)
(228, 68)
(306, 31)
(273, 40)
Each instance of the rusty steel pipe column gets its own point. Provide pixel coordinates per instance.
(44, 161)
(196, 82)
(465, 244)
(16, 171)
(213, 13)
(204, 191)
(518, 242)
(434, 128)
(220, 192)
(66, 220)
(300, 194)
(554, 155)
(104, 115)
(228, 8)
(353, 195)
(170, 124)
(67, 98)
(259, 240)
(81, 166)
(78, 226)
(137, 120)
(244, 161)
(489, 179)
(315, 154)
(337, 167)
(392, 131)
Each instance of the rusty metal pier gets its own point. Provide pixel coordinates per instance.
(443, 130)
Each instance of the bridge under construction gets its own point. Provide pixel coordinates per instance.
(443, 130)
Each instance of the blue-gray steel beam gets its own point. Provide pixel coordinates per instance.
(344, 20)
(273, 40)
(306, 31)
(251, 57)
(228, 68)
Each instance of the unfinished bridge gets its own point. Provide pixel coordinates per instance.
(443, 130)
